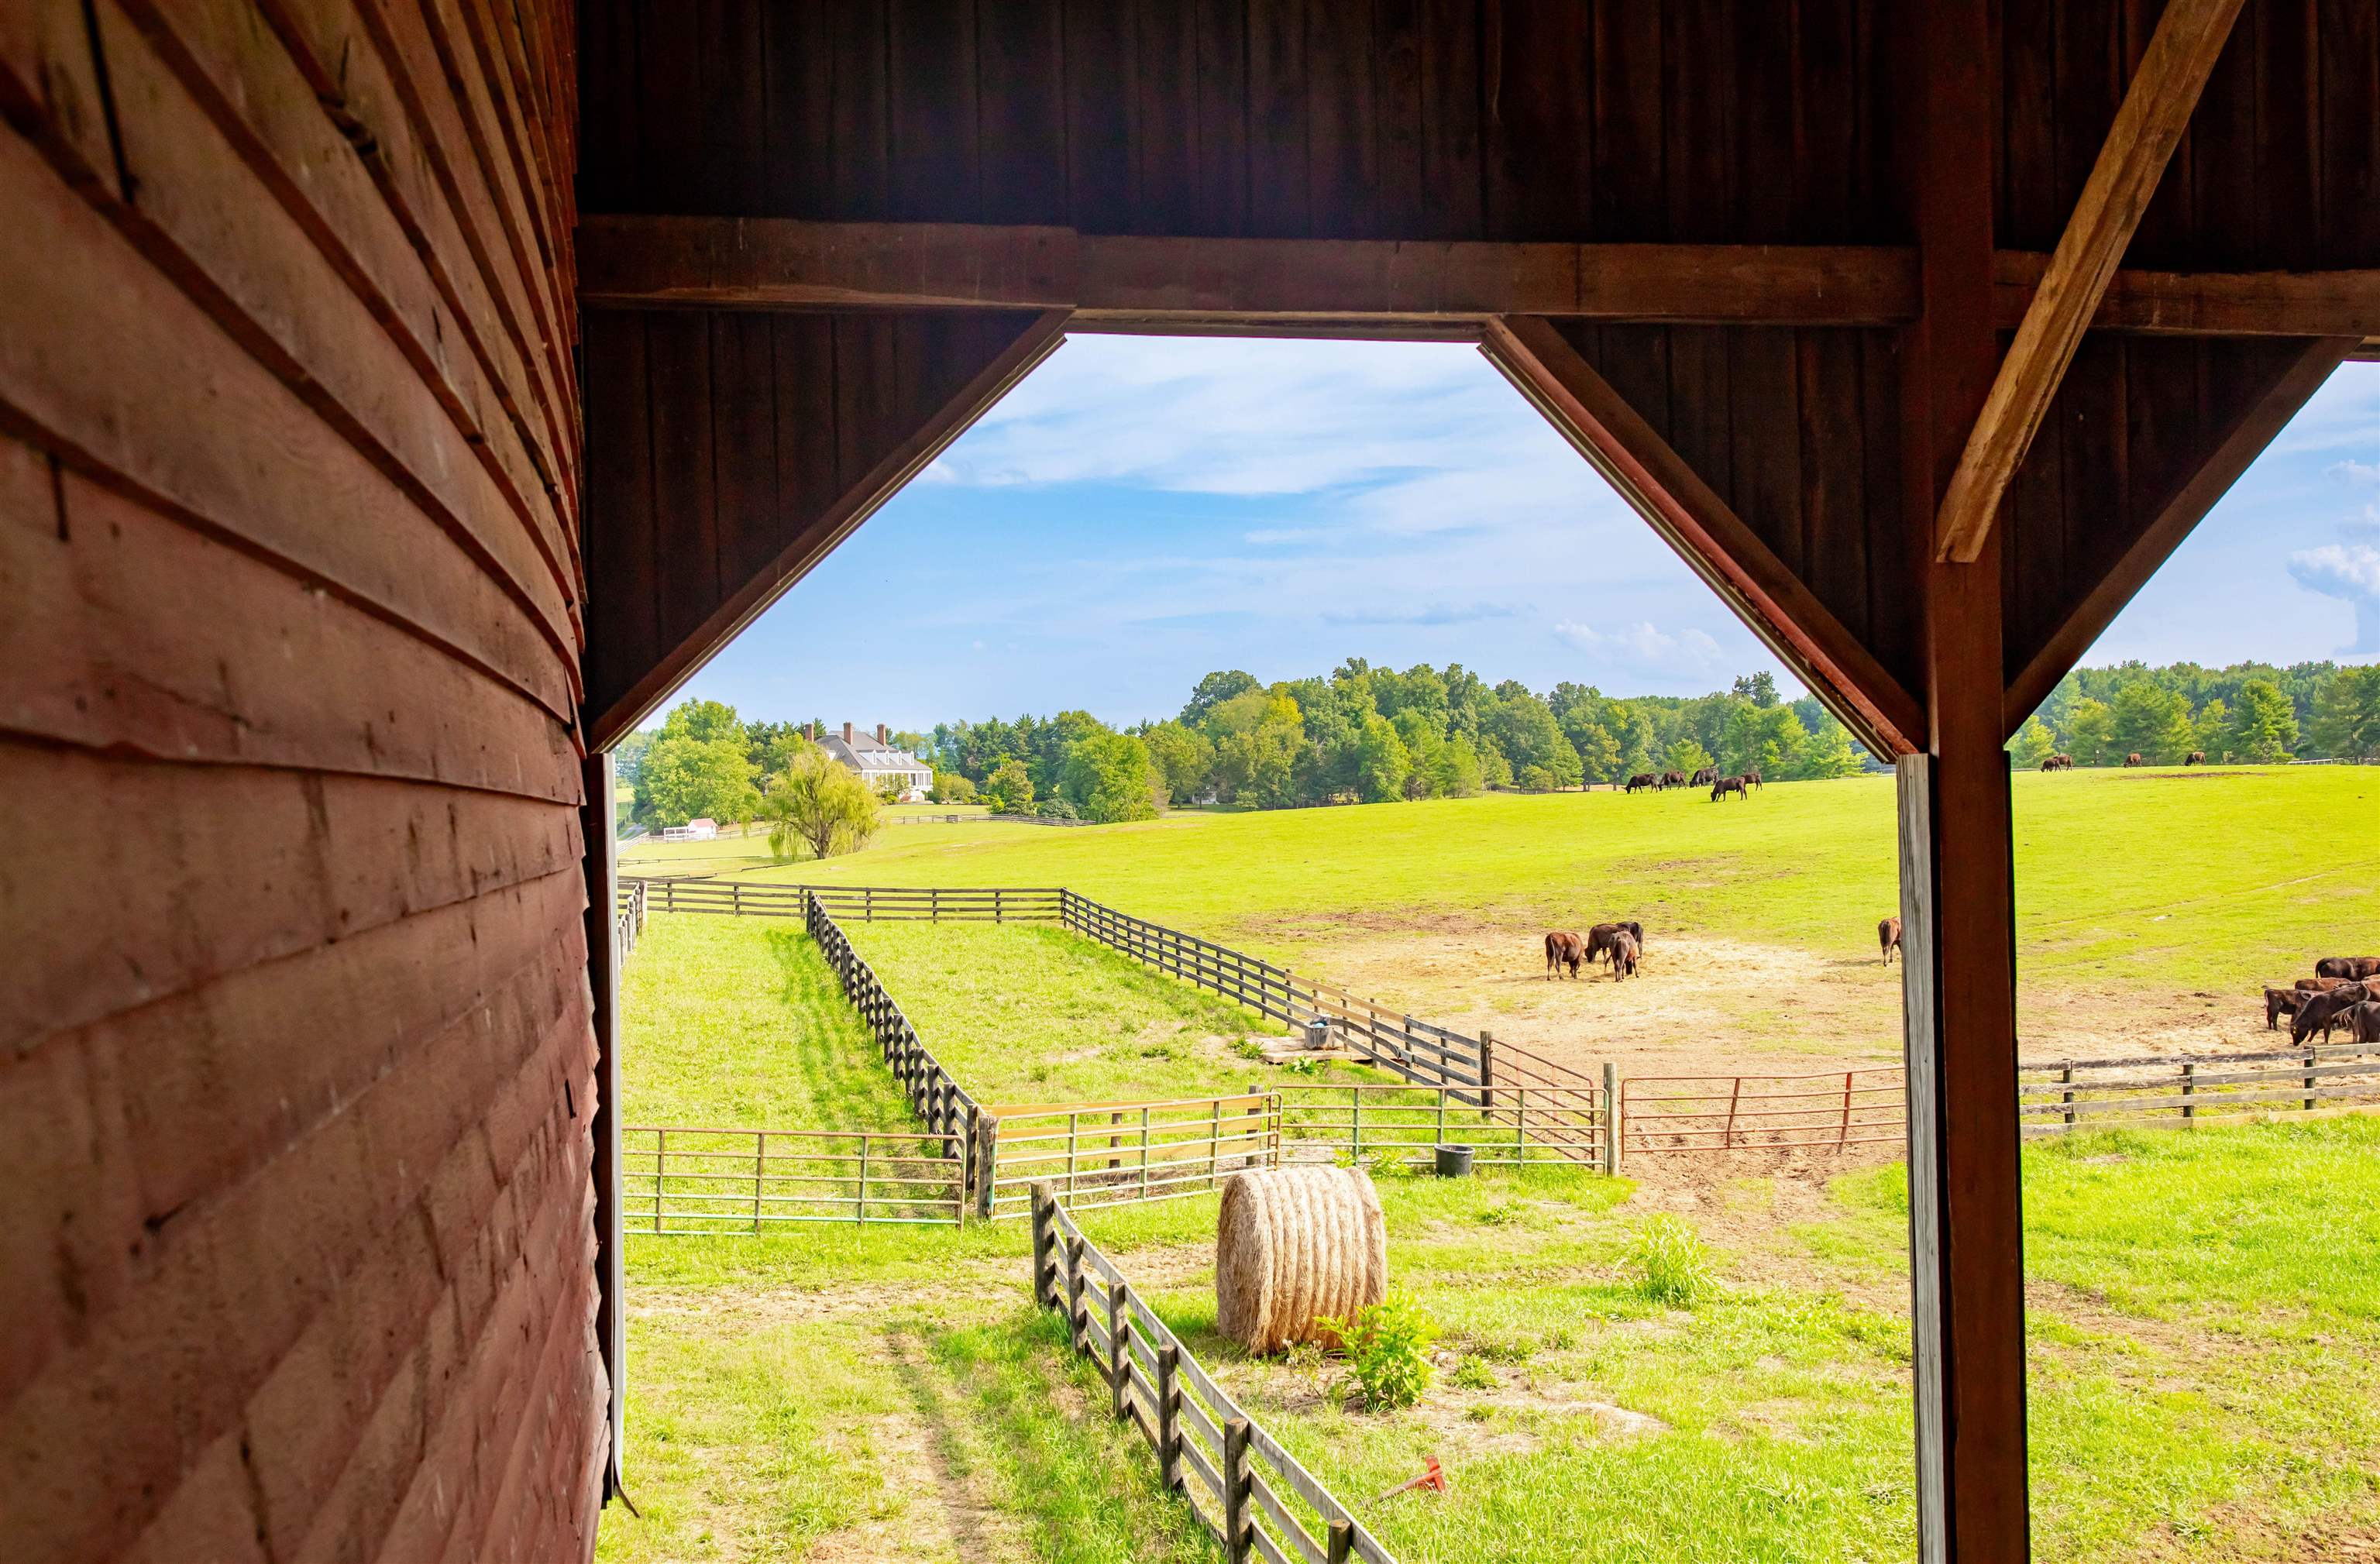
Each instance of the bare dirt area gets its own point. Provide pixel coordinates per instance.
(1706, 1006)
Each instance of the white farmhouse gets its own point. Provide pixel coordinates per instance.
(878, 763)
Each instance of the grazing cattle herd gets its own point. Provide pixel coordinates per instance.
(2344, 991)
(1707, 777)
(1622, 944)
(2059, 763)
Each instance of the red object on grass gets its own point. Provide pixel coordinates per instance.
(1433, 1477)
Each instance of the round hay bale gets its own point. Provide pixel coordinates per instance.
(1293, 1245)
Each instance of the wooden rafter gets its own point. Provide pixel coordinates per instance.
(1705, 532)
(1384, 287)
(2155, 111)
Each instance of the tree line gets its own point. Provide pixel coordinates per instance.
(1366, 735)
(2249, 712)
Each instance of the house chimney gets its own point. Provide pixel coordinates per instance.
(883, 733)
(809, 731)
(846, 733)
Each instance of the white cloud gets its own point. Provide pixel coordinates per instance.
(2349, 572)
(2352, 471)
(1643, 644)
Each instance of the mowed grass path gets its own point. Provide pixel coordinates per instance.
(2203, 1359)
(2164, 880)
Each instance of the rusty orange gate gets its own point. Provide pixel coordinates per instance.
(1831, 1112)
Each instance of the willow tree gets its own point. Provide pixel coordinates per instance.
(817, 802)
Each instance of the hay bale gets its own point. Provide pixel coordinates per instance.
(1293, 1245)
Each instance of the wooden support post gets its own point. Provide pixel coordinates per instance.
(1339, 1543)
(2065, 1095)
(1119, 1348)
(1486, 1072)
(1169, 1417)
(2188, 1091)
(1610, 1117)
(987, 1163)
(1237, 1522)
(2311, 1056)
(1143, 1153)
(1957, 874)
(859, 1213)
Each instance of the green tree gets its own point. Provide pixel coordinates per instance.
(1758, 689)
(1382, 765)
(1830, 753)
(705, 722)
(1766, 739)
(1009, 789)
(1183, 757)
(1256, 750)
(2033, 744)
(1686, 756)
(1213, 690)
(687, 779)
(951, 787)
(2264, 724)
(2211, 729)
(2152, 722)
(1523, 728)
(2346, 714)
(1108, 777)
(2091, 731)
(1455, 771)
(817, 802)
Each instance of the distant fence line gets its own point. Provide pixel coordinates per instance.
(1488, 1088)
(628, 918)
(1245, 1489)
(686, 1179)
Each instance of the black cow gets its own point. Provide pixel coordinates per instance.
(1725, 785)
(1642, 780)
(2348, 967)
(1706, 776)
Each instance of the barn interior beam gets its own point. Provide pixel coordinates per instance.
(1713, 541)
(2155, 112)
(1120, 283)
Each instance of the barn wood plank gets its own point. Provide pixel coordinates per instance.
(82, 316)
(105, 655)
(1280, 198)
(740, 601)
(2155, 111)
(202, 215)
(1451, 107)
(50, 92)
(195, 1330)
(453, 109)
(359, 97)
(621, 531)
(276, 862)
(2208, 303)
(1705, 532)
(371, 82)
(256, 94)
(1021, 112)
(2226, 454)
(932, 58)
(506, 98)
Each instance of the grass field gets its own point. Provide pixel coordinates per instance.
(2203, 1389)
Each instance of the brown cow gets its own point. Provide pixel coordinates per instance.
(2320, 1013)
(1624, 953)
(2348, 967)
(1564, 950)
(2320, 984)
(1888, 937)
(1599, 938)
(1725, 785)
(1673, 779)
(2133, 758)
(2197, 758)
(1752, 779)
(2279, 1002)
(2363, 1021)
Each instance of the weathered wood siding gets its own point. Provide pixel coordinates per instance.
(295, 1053)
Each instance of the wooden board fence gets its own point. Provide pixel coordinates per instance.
(2100, 1093)
(864, 903)
(693, 1180)
(1247, 1490)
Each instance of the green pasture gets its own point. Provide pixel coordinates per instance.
(2160, 879)
(2203, 1357)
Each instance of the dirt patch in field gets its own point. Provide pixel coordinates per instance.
(1705, 1005)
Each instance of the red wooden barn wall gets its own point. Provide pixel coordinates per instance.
(295, 1050)
(1746, 121)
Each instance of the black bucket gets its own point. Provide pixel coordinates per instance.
(1454, 1161)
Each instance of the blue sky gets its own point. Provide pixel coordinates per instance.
(1142, 510)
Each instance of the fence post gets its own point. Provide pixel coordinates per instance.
(760, 1167)
(1073, 1151)
(1486, 1072)
(1340, 1545)
(1843, 1136)
(1169, 1417)
(1119, 1348)
(2189, 1089)
(1143, 1153)
(1214, 1142)
(2066, 1095)
(1236, 1524)
(1078, 1319)
(1356, 1123)
(1612, 1132)
(661, 1172)
(2311, 1056)
(1044, 1289)
(987, 1162)
(859, 1213)
(736, 889)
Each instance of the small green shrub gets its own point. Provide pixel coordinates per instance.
(1506, 1215)
(1670, 1262)
(1387, 1345)
(1472, 1374)
(1248, 1047)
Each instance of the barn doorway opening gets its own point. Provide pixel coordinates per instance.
(1141, 509)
